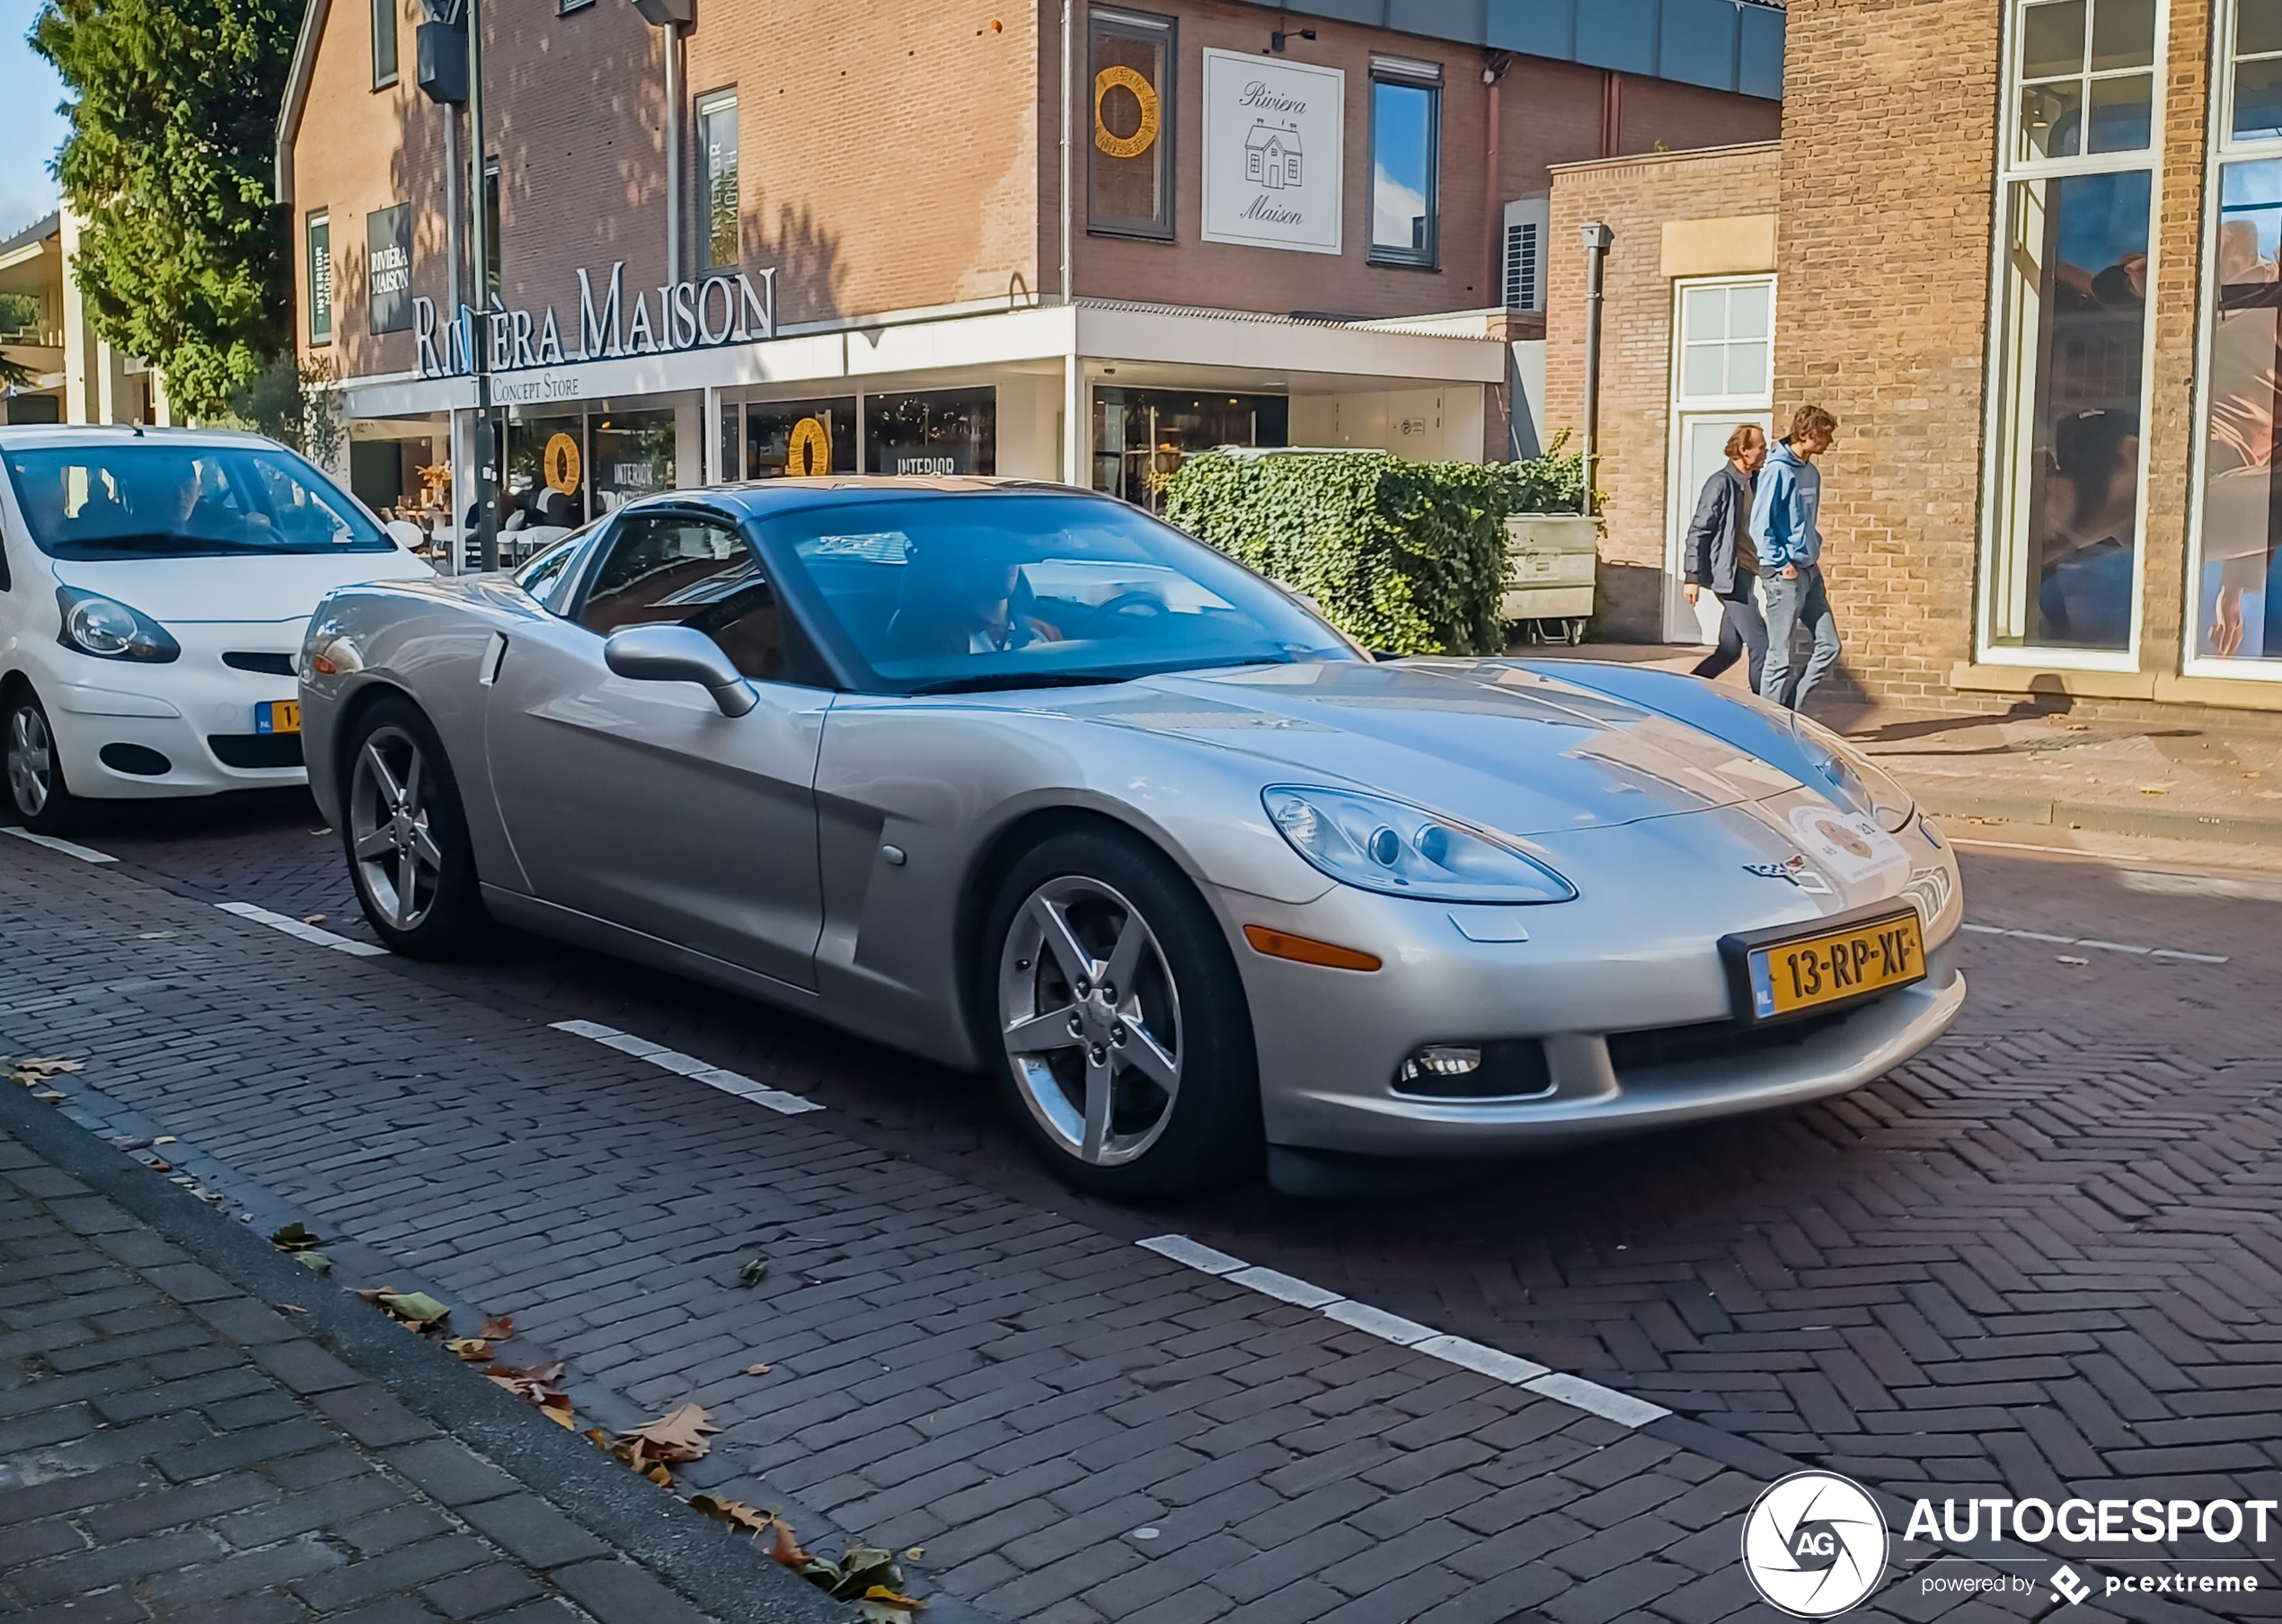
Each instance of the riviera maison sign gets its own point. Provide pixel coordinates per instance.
(727, 307)
(1274, 133)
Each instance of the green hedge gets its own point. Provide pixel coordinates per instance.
(1405, 557)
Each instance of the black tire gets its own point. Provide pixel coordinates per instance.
(37, 794)
(1152, 1145)
(393, 761)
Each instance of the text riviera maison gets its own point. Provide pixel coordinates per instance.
(724, 308)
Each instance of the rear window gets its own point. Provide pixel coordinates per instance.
(157, 499)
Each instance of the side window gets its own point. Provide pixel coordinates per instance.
(668, 569)
(543, 576)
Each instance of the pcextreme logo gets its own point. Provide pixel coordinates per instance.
(1814, 1544)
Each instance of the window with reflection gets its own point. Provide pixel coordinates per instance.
(1406, 140)
(2063, 555)
(2236, 584)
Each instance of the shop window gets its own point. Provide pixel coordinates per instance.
(1129, 174)
(717, 198)
(1406, 138)
(2235, 587)
(632, 456)
(1141, 437)
(320, 230)
(2062, 554)
(800, 437)
(945, 431)
(384, 19)
(1523, 267)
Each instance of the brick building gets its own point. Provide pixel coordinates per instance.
(2028, 251)
(841, 248)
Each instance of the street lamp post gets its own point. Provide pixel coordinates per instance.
(479, 235)
(1597, 237)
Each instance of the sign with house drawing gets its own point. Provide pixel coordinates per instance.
(1273, 133)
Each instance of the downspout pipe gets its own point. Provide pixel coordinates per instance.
(673, 150)
(479, 242)
(1597, 238)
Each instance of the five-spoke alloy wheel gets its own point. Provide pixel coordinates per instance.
(36, 789)
(1124, 1041)
(406, 835)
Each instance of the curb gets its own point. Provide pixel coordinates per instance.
(2104, 819)
(723, 1575)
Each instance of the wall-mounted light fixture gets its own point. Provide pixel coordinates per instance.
(1277, 41)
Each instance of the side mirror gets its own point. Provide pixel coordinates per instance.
(679, 654)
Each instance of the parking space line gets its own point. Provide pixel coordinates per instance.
(2093, 941)
(1493, 1362)
(306, 932)
(83, 854)
(689, 1066)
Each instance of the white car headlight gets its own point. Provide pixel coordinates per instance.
(1866, 786)
(108, 629)
(1378, 844)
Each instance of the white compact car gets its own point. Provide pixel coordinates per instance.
(154, 586)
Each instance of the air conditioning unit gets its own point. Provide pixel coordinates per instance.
(1522, 274)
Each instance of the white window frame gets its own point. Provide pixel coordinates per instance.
(2220, 149)
(1997, 495)
(701, 109)
(1681, 622)
(1536, 209)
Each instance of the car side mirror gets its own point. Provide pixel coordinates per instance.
(679, 654)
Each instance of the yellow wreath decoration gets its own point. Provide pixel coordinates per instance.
(1143, 138)
(810, 450)
(562, 464)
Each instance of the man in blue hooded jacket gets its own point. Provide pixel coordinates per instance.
(1783, 508)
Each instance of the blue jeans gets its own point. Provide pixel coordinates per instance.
(1741, 631)
(1791, 604)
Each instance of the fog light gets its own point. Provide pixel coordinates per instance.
(1441, 1060)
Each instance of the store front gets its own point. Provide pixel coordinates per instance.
(1141, 437)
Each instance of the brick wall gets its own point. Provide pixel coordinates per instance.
(905, 158)
(1633, 197)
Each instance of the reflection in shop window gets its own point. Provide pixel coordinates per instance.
(947, 431)
(1141, 437)
(634, 456)
(801, 437)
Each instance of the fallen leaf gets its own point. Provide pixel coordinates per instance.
(735, 1513)
(914, 1553)
(415, 1309)
(291, 1308)
(679, 1435)
(753, 1273)
(156, 1165)
(294, 1238)
(125, 1142)
(2066, 958)
(561, 1416)
(163, 1139)
(786, 1549)
(316, 1260)
(313, 919)
(41, 1070)
(756, 1370)
(474, 1349)
(50, 1097)
(497, 1328)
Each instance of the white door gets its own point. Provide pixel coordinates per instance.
(1722, 377)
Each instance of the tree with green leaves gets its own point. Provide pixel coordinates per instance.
(185, 257)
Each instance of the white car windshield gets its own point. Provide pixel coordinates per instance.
(941, 594)
(161, 499)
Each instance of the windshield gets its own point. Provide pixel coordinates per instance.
(160, 499)
(938, 593)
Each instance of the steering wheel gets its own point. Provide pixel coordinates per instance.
(1129, 611)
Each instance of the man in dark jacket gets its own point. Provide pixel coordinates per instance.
(1719, 554)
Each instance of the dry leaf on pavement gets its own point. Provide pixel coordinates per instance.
(735, 1513)
(41, 1070)
(756, 1370)
(497, 1328)
(474, 1349)
(679, 1435)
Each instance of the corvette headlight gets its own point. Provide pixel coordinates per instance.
(108, 629)
(1378, 844)
(1859, 783)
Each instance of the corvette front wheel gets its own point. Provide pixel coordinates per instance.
(1125, 1045)
(407, 837)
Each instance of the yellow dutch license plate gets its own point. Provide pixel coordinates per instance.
(1836, 966)
(277, 716)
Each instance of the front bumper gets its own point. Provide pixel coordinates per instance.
(196, 712)
(1635, 960)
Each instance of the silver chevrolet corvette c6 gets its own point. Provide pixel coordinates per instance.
(1016, 777)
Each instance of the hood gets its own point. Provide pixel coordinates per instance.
(275, 587)
(1497, 744)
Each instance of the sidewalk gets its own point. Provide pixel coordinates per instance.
(2149, 780)
(175, 1447)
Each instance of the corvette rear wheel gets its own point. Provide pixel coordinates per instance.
(36, 790)
(1125, 1047)
(407, 837)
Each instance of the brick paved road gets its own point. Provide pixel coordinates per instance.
(2043, 1256)
(172, 1448)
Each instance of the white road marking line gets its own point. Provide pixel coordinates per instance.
(1493, 1362)
(690, 1066)
(83, 854)
(2093, 941)
(294, 927)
